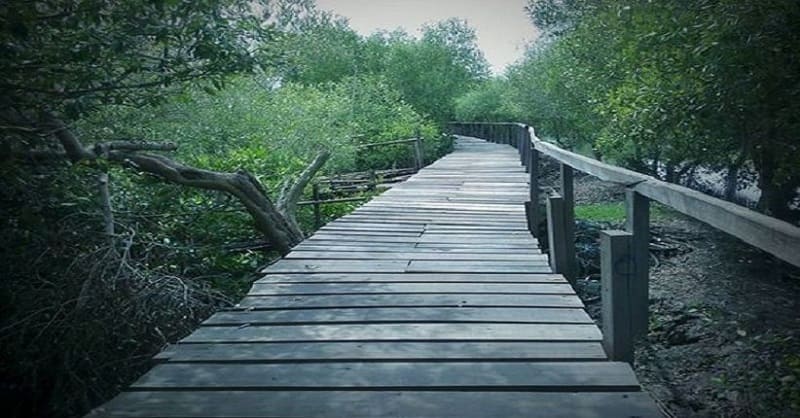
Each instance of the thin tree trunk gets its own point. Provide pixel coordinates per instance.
(105, 206)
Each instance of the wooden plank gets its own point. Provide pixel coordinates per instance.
(366, 232)
(444, 220)
(434, 227)
(411, 278)
(402, 300)
(335, 266)
(388, 237)
(411, 248)
(370, 255)
(417, 315)
(267, 289)
(385, 351)
(379, 404)
(456, 331)
(476, 247)
(430, 237)
(330, 243)
(521, 376)
(356, 226)
(430, 266)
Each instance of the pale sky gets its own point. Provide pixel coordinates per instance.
(502, 26)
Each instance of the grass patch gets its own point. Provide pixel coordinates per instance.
(615, 212)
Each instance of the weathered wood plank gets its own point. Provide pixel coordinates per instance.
(379, 404)
(423, 300)
(268, 289)
(455, 266)
(431, 237)
(521, 376)
(517, 248)
(443, 250)
(412, 278)
(336, 266)
(418, 315)
(384, 351)
(418, 255)
(456, 331)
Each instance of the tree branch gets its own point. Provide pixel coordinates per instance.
(291, 194)
(281, 231)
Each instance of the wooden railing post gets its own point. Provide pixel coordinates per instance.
(418, 158)
(566, 180)
(616, 275)
(637, 222)
(532, 205)
(526, 145)
(317, 212)
(555, 233)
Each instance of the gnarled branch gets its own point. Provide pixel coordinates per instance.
(293, 191)
(278, 228)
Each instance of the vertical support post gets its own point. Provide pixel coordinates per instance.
(533, 189)
(566, 179)
(103, 181)
(616, 272)
(418, 152)
(317, 212)
(526, 147)
(555, 233)
(637, 222)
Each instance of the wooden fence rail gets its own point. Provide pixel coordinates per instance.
(625, 284)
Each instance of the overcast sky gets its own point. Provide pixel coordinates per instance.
(502, 26)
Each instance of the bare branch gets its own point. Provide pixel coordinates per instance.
(104, 147)
(73, 147)
(291, 194)
(276, 227)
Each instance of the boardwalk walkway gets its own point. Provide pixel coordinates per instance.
(431, 300)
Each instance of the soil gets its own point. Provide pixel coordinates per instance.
(724, 338)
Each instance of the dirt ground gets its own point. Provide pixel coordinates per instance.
(724, 338)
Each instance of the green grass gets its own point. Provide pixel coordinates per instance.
(615, 212)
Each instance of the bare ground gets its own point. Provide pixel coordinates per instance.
(724, 338)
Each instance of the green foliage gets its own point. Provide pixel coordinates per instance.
(615, 212)
(74, 56)
(429, 73)
(489, 102)
(668, 84)
(432, 72)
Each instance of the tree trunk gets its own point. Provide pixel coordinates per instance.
(292, 192)
(775, 195)
(732, 173)
(278, 226)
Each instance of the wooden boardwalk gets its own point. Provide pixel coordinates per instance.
(432, 300)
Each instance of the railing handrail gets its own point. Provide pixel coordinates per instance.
(769, 234)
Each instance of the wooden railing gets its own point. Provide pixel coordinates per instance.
(370, 183)
(625, 254)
